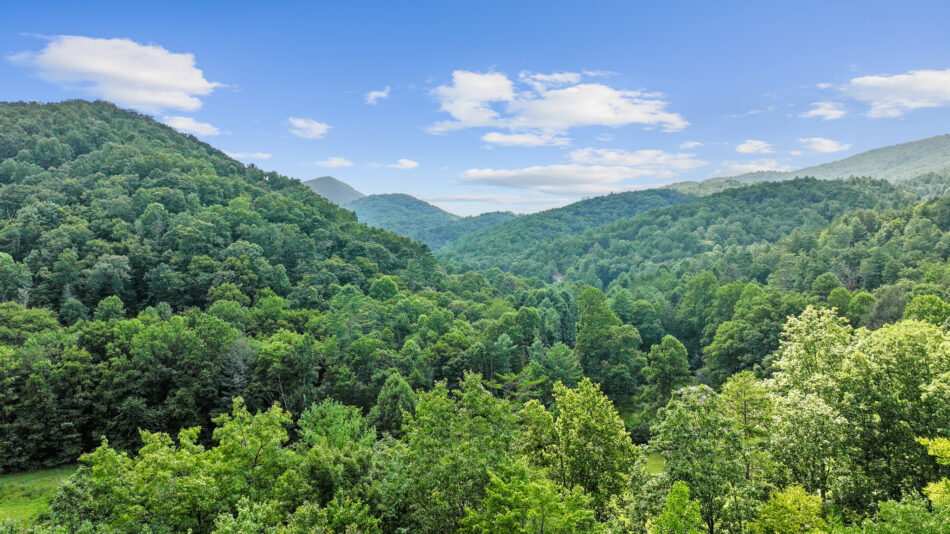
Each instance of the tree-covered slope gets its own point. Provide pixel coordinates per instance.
(499, 245)
(439, 237)
(97, 201)
(334, 190)
(399, 213)
(760, 213)
(407, 215)
(892, 163)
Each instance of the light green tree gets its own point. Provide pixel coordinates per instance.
(521, 499)
(790, 511)
(679, 516)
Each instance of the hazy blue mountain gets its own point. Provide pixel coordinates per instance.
(334, 190)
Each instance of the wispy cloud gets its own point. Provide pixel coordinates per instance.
(820, 144)
(402, 164)
(826, 111)
(373, 97)
(754, 146)
(334, 162)
(190, 125)
(307, 128)
(525, 139)
(144, 77)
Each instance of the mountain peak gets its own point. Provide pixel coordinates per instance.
(334, 190)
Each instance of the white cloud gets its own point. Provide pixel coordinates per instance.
(820, 144)
(307, 128)
(469, 97)
(893, 96)
(402, 163)
(690, 144)
(732, 168)
(826, 111)
(657, 162)
(753, 146)
(249, 155)
(554, 178)
(592, 104)
(823, 85)
(334, 162)
(546, 103)
(606, 137)
(145, 77)
(190, 125)
(525, 139)
(374, 96)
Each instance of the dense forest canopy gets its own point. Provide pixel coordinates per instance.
(494, 246)
(760, 213)
(224, 351)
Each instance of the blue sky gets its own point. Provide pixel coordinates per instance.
(478, 106)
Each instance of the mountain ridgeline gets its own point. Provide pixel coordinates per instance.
(224, 351)
(334, 190)
(895, 163)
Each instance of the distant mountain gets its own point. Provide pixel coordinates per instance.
(334, 190)
(487, 247)
(892, 163)
(407, 215)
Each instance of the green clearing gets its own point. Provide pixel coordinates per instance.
(654, 463)
(23, 496)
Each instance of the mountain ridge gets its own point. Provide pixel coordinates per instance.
(894, 163)
(336, 191)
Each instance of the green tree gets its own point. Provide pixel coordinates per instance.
(809, 441)
(790, 511)
(592, 448)
(679, 516)
(522, 499)
(395, 399)
(929, 308)
(701, 448)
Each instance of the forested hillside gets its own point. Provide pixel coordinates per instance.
(226, 352)
(496, 245)
(743, 216)
(411, 217)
